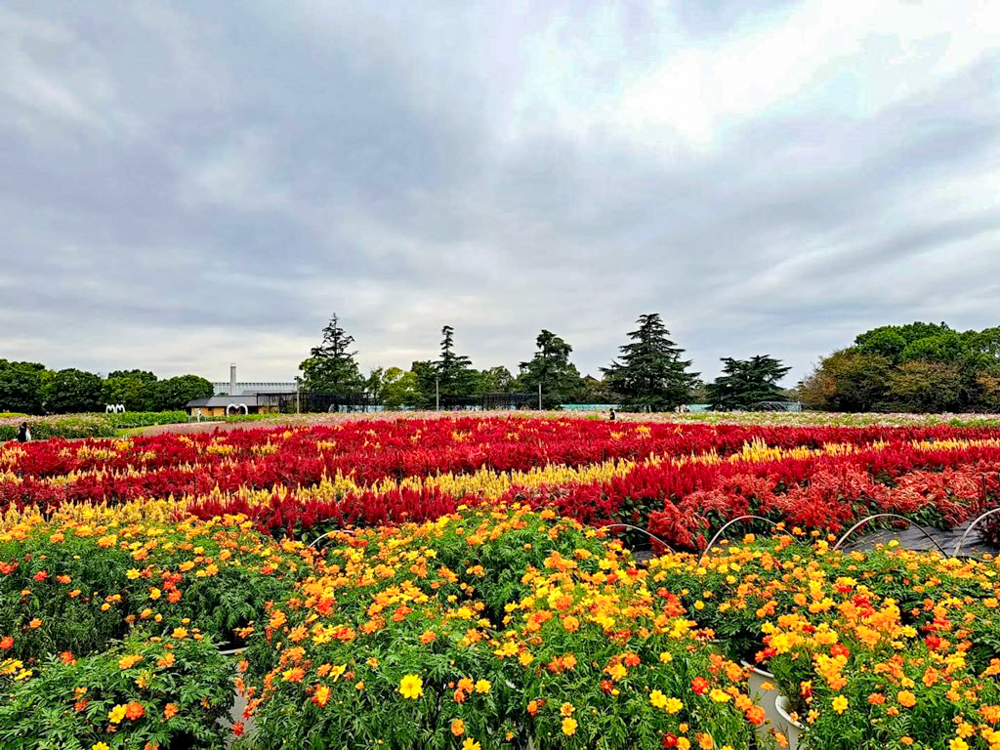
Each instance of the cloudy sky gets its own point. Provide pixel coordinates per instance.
(187, 184)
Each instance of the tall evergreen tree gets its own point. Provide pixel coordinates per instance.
(332, 367)
(744, 383)
(551, 368)
(651, 375)
(454, 371)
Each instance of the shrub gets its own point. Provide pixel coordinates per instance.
(145, 691)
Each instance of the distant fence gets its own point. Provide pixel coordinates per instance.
(364, 402)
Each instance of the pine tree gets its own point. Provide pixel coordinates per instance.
(454, 371)
(551, 368)
(332, 367)
(651, 375)
(745, 383)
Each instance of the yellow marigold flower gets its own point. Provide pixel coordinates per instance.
(569, 726)
(483, 686)
(567, 709)
(116, 714)
(658, 699)
(673, 705)
(840, 704)
(411, 686)
(470, 744)
(958, 744)
(100, 746)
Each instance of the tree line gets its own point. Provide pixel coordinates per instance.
(917, 367)
(30, 388)
(650, 374)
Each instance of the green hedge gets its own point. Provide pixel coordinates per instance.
(86, 425)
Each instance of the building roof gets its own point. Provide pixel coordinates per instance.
(223, 401)
(245, 387)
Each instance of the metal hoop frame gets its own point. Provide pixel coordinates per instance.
(642, 531)
(916, 526)
(961, 541)
(725, 526)
(315, 541)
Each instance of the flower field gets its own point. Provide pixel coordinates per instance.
(471, 583)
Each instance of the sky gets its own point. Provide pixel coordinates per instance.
(189, 184)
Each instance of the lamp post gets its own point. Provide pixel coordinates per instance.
(437, 395)
(298, 405)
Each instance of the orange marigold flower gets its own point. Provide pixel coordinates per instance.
(170, 710)
(457, 727)
(906, 698)
(127, 662)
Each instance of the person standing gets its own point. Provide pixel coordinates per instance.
(23, 433)
(611, 415)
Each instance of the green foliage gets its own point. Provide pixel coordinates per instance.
(651, 376)
(88, 425)
(70, 704)
(924, 386)
(21, 387)
(173, 394)
(454, 371)
(746, 382)
(136, 389)
(922, 367)
(551, 368)
(399, 389)
(849, 380)
(494, 380)
(331, 368)
(594, 391)
(73, 391)
(944, 347)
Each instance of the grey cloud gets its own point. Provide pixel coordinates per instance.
(186, 185)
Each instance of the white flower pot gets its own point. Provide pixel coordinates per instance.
(788, 726)
(763, 697)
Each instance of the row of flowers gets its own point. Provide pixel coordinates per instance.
(369, 452)
(681, 499)
(489, 628)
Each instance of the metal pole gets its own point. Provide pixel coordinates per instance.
(437, 395)
(298, 408)
(539, 395)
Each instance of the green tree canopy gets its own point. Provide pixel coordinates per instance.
(494, 380)
(73, 391)
(136, 389)
(744, 383)
(849, 380)
(22, 387)
(551, 369)
(331, 368)
(651, 375)
(398, 389)
(173, 394)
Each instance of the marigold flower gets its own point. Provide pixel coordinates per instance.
(569, 726)
(457, 727)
